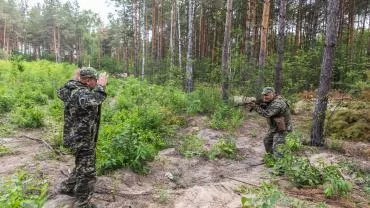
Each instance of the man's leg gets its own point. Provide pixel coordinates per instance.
(278, 140)
(85, 178)
(68, 185)
(268, 142)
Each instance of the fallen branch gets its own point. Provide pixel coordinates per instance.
(101, 190)
(44, 142)
(251, 184)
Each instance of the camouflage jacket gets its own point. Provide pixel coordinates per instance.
(81, 114)
(276, 108)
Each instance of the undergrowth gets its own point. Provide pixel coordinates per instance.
(301, 172)
(23, 190)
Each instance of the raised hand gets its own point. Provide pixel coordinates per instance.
(76, 76)
(103, 79)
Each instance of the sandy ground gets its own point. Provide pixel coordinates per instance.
(197, 182)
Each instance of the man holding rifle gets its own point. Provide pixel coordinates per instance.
(82, 99)
(276, 110)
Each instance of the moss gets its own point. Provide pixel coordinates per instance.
(350, 124)
(358, 131)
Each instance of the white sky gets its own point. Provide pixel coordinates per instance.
(102, 7)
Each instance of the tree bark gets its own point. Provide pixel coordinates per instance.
(317, 136)
(298, 28)
(179, 32)
(189, 56)
(136, 29)
(154, 29)
(263, 47)
(280, 50)
(254, 26)
(226, 52)
(143, 41)
(172, 61)
(351, 26)
(248, 43)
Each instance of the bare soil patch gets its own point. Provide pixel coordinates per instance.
(173, 180)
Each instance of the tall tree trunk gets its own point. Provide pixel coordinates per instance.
(317, 133)
(154, 29)
(189, 57)
(4, 40)
(341, 20)
(298, 28)
(179, 32)
(248, 19)
(263, 47)
(143, 41)
(226, 52)
(172, 61)
(213, 56)
(315, 22)
(254, 26)
(136, 29)
(280, 50)
(351, 26)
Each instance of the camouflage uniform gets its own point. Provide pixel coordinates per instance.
(276, 108)
(81, 121)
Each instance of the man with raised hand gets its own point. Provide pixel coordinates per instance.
(82, 97)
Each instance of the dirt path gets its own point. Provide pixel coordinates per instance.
(173, 181)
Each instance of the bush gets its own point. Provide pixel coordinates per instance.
(301, 172)
(191, 146)
(350, 124)
(226, 117)
(23, 190)
(223, 148)
(6, 103)
(28, 117)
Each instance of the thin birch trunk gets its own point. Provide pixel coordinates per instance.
(189, 57)
(226, 52)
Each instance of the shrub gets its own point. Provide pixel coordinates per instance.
(28, 117)
(23, 190)
(191, 146)
(225, 147)
(226, 117)
(6, 103)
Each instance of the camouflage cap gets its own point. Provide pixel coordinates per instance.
(89, 72)
(267, 90)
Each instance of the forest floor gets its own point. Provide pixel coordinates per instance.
(176, 181)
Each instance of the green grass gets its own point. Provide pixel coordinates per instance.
(23, 190)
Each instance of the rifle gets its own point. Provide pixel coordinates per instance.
(247, 101)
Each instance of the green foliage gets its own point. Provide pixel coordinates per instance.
(225, 147)
(191, 146)
(267, 196)
(4, 150)
(133, 139)
(335, 184)
(28, 117)
(350, 124)
(301, 172)
(205, 99)
(6, 103)
(23, 190)
(226, 117)
(17, 62)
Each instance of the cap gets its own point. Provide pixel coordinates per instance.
(89, 72)
(267, 90)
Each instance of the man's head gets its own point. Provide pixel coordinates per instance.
(89, 76)
(268, 94)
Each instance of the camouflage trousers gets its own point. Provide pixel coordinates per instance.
(272, 141)
(81, 181)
